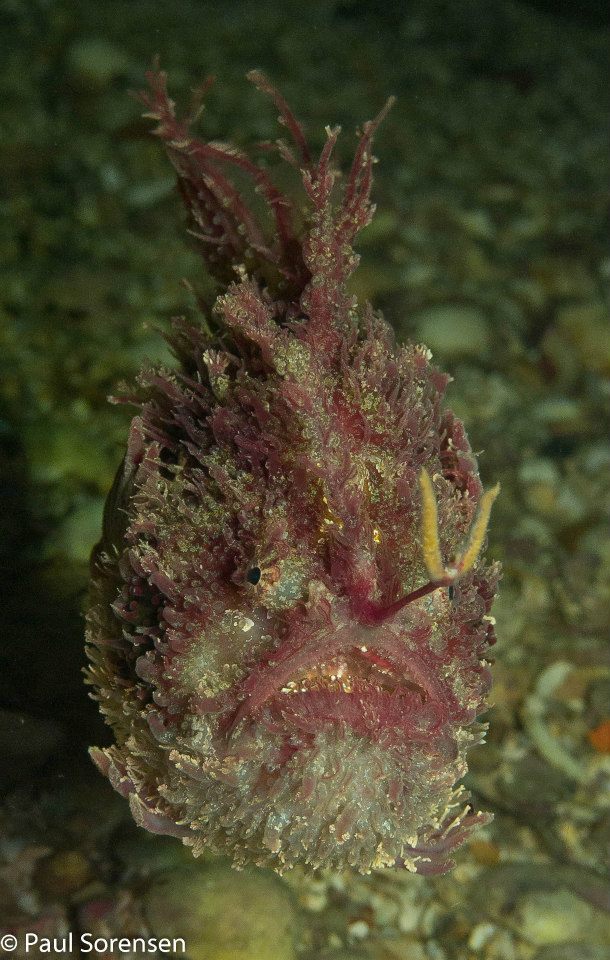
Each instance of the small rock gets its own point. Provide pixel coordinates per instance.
(58, 449)
(455, 331)
(79, 531)
(480, 936)
(560, 917)
(223, 914)
(477, 223)
(97, 62)
(536, 470)
(408, 918)
(564, 277)
(548, 494)
(484, 852)
(562, 415)
(63, 874)
(585, 326)
(359, 930)
(142, 196)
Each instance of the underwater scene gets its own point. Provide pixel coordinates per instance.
(305, 480)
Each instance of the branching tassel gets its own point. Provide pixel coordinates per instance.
(467, 558)
(430, 538)
(429, 528)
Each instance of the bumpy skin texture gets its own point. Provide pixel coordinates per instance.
(270, 697)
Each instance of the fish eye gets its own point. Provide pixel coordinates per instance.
(253, 575)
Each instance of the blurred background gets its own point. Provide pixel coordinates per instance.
(490, 246)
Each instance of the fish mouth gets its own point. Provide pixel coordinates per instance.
(378, 693)
(378, 681)
(349, 671)
(361, 689)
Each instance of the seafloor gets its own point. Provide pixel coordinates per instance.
(490, 246)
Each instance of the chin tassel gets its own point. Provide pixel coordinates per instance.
(440, 575)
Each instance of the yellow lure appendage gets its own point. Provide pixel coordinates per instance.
(467, 558)
(429, 528)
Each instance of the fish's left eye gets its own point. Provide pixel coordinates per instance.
(253, 575)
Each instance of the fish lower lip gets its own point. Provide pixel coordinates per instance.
(367, 710)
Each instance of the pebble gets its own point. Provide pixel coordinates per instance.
(586, 328)
(454, 331)
(224, 914)
(547, 493)
(551, 917)
(562, 415)
(539, 471)
(63, 874)
(399, 948)
(477, 223)
(433, 920)
(564, 277)
(563, 505)
(481, 935)
(408, 918)
(142, 196)
(359, 930)
(485, 852)
(97, 62)
(79, 531)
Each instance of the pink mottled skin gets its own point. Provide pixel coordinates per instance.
(285, 681)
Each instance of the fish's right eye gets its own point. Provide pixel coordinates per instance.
(253, 575)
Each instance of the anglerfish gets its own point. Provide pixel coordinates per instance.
(289, 620)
